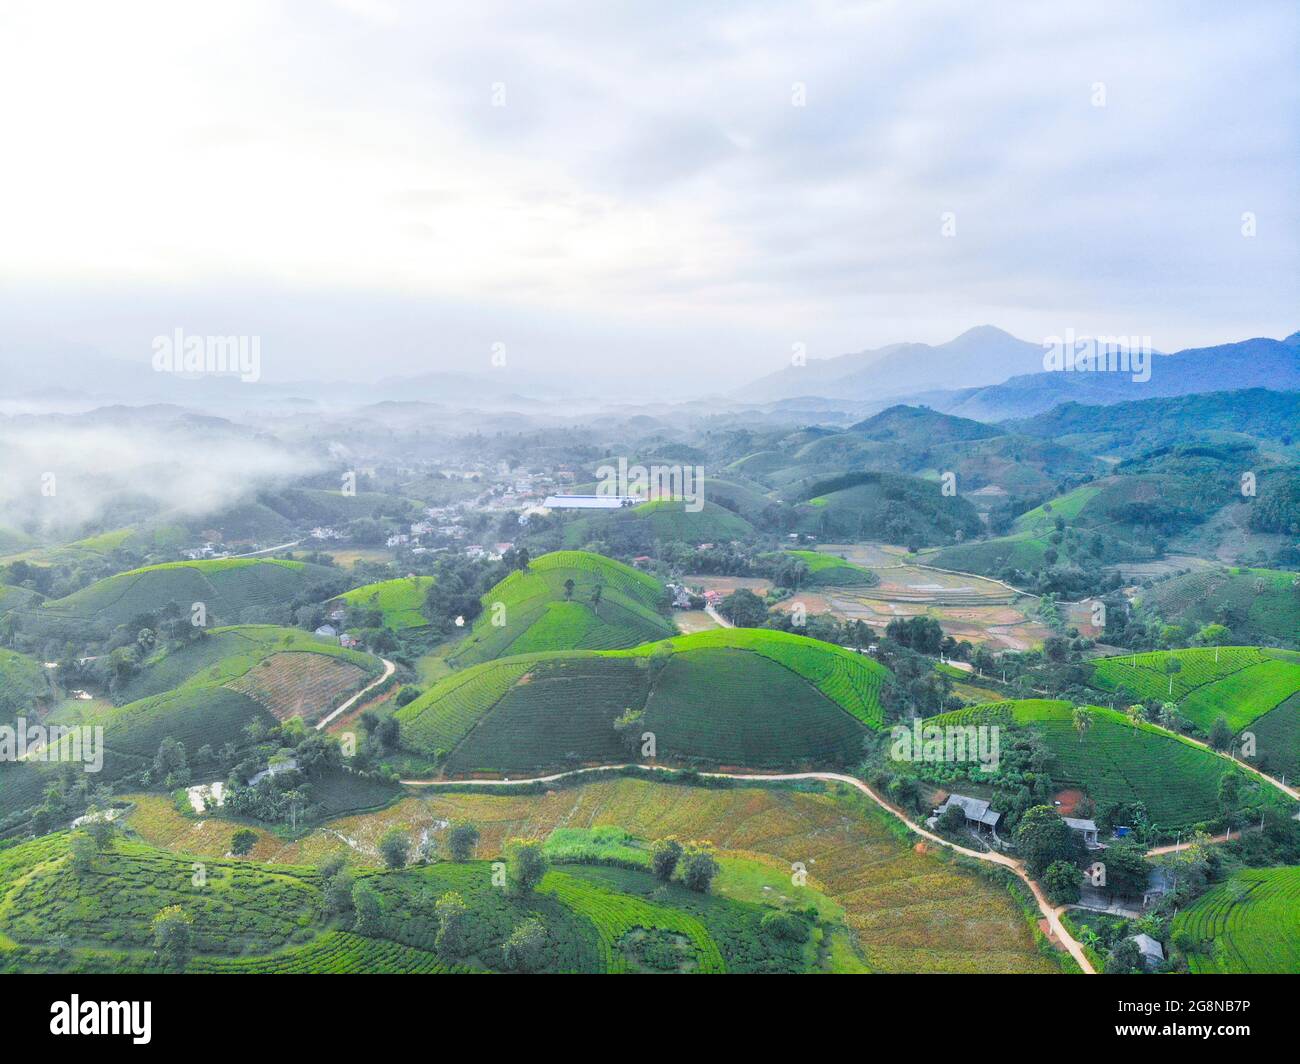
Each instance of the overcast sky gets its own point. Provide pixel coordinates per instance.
(375, 187)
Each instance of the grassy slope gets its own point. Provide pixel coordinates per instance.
(1250, 924)
(1242, 685)
(399, 600)
(539, 617)
(23, 683)
(737, 696)
(828, 570)
(1114, 761)
(1260, 603)
(258, 917)
(226, 586)
(660, 521)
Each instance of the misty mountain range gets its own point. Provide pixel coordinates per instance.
(985, 374)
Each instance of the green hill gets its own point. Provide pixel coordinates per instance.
(24, 684)
(532, 610)
(1253, 689)
(639, 528)
(1117, 761)
(226, 654)
(887, 506)
(1254, 603)
(228, 587)
(1237, 683)
(730, 696)
(400, 600)
(1249, 924)
(829, 570)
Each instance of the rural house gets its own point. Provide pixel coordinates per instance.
(1152, 952)
(978, 813)
(1087, 829)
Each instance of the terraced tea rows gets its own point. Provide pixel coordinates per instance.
(1249, 924)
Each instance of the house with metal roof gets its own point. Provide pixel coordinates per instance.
(1086, 828)
(977, 811)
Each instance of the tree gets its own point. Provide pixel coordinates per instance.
(568, 589)
(1127, 870)
(699, 867)
(525, 949)
(83, 850)
(785, 926)
(664, 855)
(628, 727)
(1124, 959)
(365, 901)
(1214, 635)
(1043, 837)
(1082, 721)
(242, 841)
(1220, 734)
(173, 933)
(525, 866)
(103, 831)
(596, 593)
(452, 939)
(337, 897)
(1061, 881)
(395, 847)
(1229, 790)
(952, 821)
(744, 609)
(462, 838)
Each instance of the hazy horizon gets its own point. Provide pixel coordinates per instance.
(677, 197)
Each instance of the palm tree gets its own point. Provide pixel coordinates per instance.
(1082, 720)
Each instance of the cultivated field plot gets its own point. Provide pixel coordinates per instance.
(1172, 674)
(1249, 924)
(300, 685)
(1277, 740)
(735, 696)
(255, 917)
(1256, 603)
(1239, 684)
(969, 607)
(910, 910)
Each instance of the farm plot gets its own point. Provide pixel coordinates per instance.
(1250, 924)
(444, 715)
(1243, 696)
(560, 711)
(300, 685)
(910, 910)
(735, 707)
(1149, 675)
(1277, 739)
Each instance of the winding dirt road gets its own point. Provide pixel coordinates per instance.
(1051, 914)
(389, 669)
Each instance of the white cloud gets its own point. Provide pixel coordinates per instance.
(649, 169)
